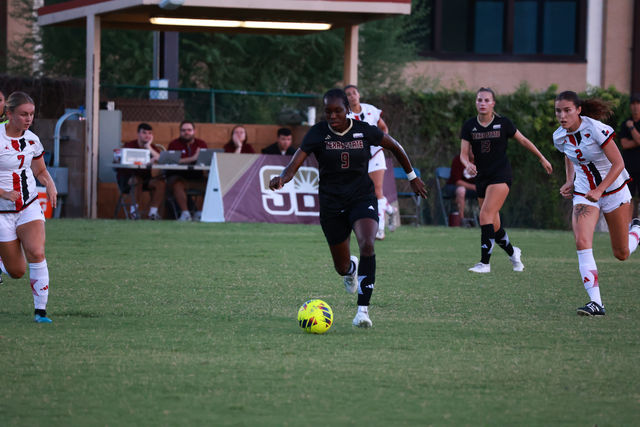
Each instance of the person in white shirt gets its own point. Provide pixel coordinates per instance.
(377, 165)
(596, 179)
(21, 218)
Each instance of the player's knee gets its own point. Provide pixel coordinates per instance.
(35, 255)
(16, 272)
(367, 248)
(621, 253)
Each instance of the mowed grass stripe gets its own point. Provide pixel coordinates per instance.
(159, 323)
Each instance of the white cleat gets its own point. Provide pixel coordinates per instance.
(515, 259)
(351, 280)
(362, 320)
(481, 268)
(380, 234)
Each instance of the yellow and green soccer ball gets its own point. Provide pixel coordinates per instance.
(315, 316)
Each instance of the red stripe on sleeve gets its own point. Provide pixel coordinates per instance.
(608, 140)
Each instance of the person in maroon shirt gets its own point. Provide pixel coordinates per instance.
(189, 147)
(135, 182)
(238, 142)
(460, 186)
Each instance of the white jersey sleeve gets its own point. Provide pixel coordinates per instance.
(16, 155)
(584, 148)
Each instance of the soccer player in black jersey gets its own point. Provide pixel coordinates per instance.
(346, 193)
(485, 136)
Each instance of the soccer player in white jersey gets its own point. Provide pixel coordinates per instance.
(377, 165)
(596, 180)
(21, 218)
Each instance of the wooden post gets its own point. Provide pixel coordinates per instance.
(350, 75)
(92, 105)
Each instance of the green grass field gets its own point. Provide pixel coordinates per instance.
(162, 323)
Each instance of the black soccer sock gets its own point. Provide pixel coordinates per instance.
(502, 239)
(366, 279)
(487, 238)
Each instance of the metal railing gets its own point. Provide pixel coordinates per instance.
(221, 105)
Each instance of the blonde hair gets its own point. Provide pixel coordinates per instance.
(17, 99)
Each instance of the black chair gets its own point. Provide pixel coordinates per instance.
(445, 198)
(399, 173)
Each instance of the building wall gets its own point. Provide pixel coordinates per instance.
(504, 77)
(618, 43)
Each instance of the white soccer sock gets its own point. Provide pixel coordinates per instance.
(589, 273)
(382, 205)
(3, 268)
(634, 237)
(39, 277)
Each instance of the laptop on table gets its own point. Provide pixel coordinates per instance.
(169, 157)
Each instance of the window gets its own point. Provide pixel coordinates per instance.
(521, 29)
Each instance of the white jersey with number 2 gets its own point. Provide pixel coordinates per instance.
(16, 155)
(370, 114)
(584, 148)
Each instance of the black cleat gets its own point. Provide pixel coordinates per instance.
(592, 308)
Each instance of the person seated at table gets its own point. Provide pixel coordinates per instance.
(179, 181)
(134, 182)
(462, 186)
(283, 145)
(238, 142)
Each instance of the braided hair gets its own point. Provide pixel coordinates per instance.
(337, 94)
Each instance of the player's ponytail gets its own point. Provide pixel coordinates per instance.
(593, 107)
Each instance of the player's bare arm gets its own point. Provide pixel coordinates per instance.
(465, 157)
(566, 190)
(394, 146)
(289, 171)
(42, 174)
(526, 143)
(617, 165)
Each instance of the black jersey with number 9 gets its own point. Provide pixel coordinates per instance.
(343, 160)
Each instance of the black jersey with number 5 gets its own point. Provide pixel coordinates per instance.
(489, 145)
(343, 160)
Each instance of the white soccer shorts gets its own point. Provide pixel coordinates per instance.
(10, 221)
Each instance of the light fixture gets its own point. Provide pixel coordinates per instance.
(262, 25)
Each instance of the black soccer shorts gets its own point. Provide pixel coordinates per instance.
(337, 225)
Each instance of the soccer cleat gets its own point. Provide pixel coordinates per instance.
(197, 216)
(362, 320)
(380, 234)
(154, 216)
(185, 216)
(481, 268)
(592, 308)
(351, 280)
(515, 259)
(392, 218)
(1, 281)
(41, 319)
